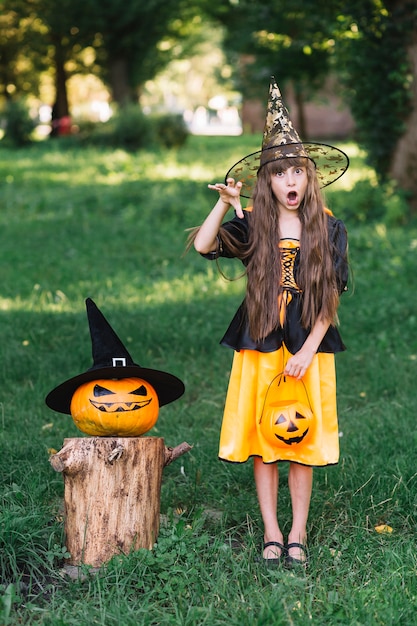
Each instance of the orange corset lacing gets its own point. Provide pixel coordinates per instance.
(289, 249)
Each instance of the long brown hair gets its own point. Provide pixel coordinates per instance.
(316, 275)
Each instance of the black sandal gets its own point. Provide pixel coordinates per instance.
(290, 561)
(277, 560)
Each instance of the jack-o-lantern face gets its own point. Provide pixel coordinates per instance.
(287, 418)
(127, 407)
(286, 424)
(291, 425)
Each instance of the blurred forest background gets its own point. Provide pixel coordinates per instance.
(100, 70)
(114, 116)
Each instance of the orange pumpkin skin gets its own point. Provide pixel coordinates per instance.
(127, 407)
(286, 423)
(287, 417)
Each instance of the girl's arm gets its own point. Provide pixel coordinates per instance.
(298, 364)
(229, 195)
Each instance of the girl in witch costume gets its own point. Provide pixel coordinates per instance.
(294, 252)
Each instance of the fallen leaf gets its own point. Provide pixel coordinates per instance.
(383, 528)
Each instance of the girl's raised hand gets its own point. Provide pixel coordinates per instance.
(230, 194)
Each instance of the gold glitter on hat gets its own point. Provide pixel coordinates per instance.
(281, 141)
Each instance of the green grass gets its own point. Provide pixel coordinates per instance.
(111, 225)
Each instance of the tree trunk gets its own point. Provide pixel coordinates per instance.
(403, 166)
(119, 82)
(60, 109)
(112, 494)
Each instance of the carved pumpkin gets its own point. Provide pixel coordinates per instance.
(287, 418)
(127, 407)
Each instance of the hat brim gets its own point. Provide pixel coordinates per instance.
(331, 163)
(168, 387)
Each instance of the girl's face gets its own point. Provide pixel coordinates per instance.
(289, 186)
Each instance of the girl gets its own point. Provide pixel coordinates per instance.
(295, 257)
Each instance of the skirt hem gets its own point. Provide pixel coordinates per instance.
(252, 456)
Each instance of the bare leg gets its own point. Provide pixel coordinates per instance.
(266, 480)
(300, 481)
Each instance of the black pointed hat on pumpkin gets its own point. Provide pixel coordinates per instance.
(111, 360)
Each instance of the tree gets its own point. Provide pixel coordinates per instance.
(371, 44)
(131, 41)
(134, 40)
(379, 57)
(34, 36)
(293, 41)
(404, 155)
(23, 54)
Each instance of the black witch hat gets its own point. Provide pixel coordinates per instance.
(112, 361)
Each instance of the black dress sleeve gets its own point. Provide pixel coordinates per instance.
(238, 227)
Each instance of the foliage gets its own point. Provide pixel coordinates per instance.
(18, 125)
(130, 45)
(79, 221)
(376, 37)
(365, 43)
(293, 42)
(119, 41)
(22, 49)
(131, 129)
(369, 201)
(171, 130)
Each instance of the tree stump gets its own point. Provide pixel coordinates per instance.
(112, 488)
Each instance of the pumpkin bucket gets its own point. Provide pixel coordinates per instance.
(287, 418)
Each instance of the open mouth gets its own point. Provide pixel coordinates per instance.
(292, 198)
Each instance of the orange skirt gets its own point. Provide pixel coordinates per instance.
(242, 434)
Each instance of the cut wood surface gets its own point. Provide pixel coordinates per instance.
(112, 494)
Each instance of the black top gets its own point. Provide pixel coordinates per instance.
(292, 334)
